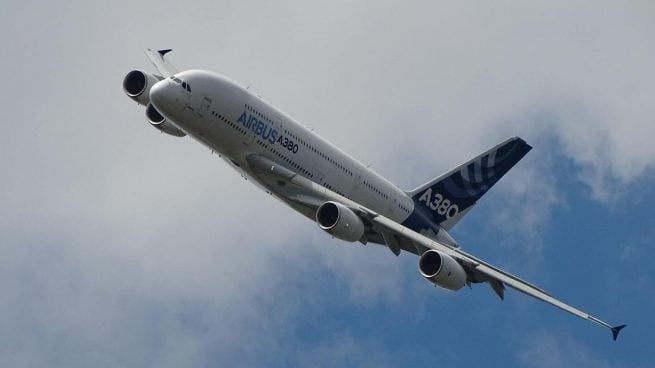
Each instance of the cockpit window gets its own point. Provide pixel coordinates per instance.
(185, 85)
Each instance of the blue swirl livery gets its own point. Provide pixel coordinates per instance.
(444, 200)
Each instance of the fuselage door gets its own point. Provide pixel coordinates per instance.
(393, 202)
(357, 183)
(186, 96)
(204, 106)
(249, 137)
(319, 178)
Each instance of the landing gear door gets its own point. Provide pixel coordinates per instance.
(357, 182)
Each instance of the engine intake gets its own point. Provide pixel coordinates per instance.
(137, 84)
(441, 269)
(158, 121)
(340, 221)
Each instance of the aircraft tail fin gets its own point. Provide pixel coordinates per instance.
(447, 198)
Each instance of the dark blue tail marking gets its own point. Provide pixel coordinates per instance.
(446, 198)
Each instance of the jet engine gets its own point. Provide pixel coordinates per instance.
(441, 269)
(160, 122)
(137, 84)
(340, 221)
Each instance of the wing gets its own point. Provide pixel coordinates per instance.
(306, 196)
(163, 66)
(302, 192)
(487, 272)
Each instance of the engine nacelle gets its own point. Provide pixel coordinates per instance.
(442, 269)
(158, 121)
(137, 84)
(340, 221)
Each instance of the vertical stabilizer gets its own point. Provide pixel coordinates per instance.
(446, 199)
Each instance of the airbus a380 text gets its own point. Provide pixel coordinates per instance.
(345, 198)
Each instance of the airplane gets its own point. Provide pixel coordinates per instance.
(345, 198)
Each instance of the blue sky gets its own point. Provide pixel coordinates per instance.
(124, 247)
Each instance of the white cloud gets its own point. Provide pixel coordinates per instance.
(346, 351)
(545, 350)
(134, 248)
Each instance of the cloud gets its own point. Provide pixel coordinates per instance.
(346, 350)
(477, 76)
(121, 246)
(545, 350)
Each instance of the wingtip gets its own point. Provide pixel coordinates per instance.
(616, 330)
(164, 52)
(527, 146)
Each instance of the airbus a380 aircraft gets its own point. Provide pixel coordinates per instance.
(345, 198)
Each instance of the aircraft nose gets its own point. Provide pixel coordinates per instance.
(159, 93)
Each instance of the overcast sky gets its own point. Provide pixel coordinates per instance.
(123, 247)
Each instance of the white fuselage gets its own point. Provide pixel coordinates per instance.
(236, 123)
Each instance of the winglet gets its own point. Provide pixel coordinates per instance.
(164, 52)
(616, 330)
